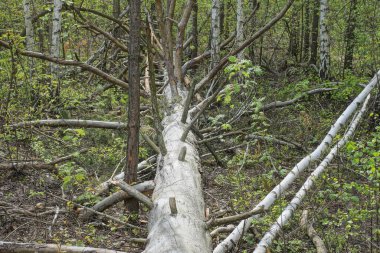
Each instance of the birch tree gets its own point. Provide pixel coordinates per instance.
(240, 26)
(29, 32)
(324, 39)
(55, 46)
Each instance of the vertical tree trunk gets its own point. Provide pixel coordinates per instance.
(133, 99)
(194, 30)
(293, 34)
(306, 36)
(55, 46)
(239, 26)
(314, 34)
(324, 50)
(252, 5)
(116, 8)
(29, 35)
(350, 36)
(116, 13)
(215, 33)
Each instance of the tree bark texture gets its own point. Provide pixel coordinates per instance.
(215, 33)
(350, 36)
(314, 34)
(133, 98)
(184, 231)
(324, 50)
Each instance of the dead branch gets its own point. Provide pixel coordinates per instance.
(134, 193)
(78, 123)
(37, 165)
(13, 247)
(79, 64)
(233, 218)
(220, 230)
(279, 104)
(308, 228)
(115, 198)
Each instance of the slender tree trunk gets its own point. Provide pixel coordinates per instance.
(55, 46)
(116, 13)
(194, 30)
(133, 99)
(324, 50)
(350, 36)
(239, 26)
(314, 34)
(29, 35)
(215, 33)
(306, 36)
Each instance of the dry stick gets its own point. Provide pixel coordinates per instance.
(11, 247)
(134, 193)
(279, 104)
(96, 212)
(220, 230)
(296, 201)
(34, 165)
(153, 97)
(151, 143)
(208, 146)
(79, 123)
(267, 202)
(187, 103)
(245, 44)
(86, 24)
(116, 197)
(180, 37)
(310, 231)
(201, 110)
(104, 187)
(241, 131)
(79, 64)
(233, 218)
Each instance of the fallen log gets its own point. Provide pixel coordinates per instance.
(266, 241)
(15, 247)
(267, 202)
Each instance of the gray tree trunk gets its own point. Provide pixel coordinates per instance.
(239, 26)
(324, 51)
(56, 43)
(29, 35)
(215, 33)
(177, 221)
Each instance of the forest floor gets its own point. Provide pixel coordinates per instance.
(29, 199)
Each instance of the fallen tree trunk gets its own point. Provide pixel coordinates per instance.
(79, 123)
(177, 221)
(267, 202)
(10, 247)
(296, 201)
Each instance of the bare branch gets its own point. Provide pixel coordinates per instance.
(11, 247)
(79, 64)
(134, 193)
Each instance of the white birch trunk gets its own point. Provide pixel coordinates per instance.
(29, 35)
(56, 37)
(215, 33)
(324, 51)
(267, 202)
(239, 26)
(296, 201)
(181, 229)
